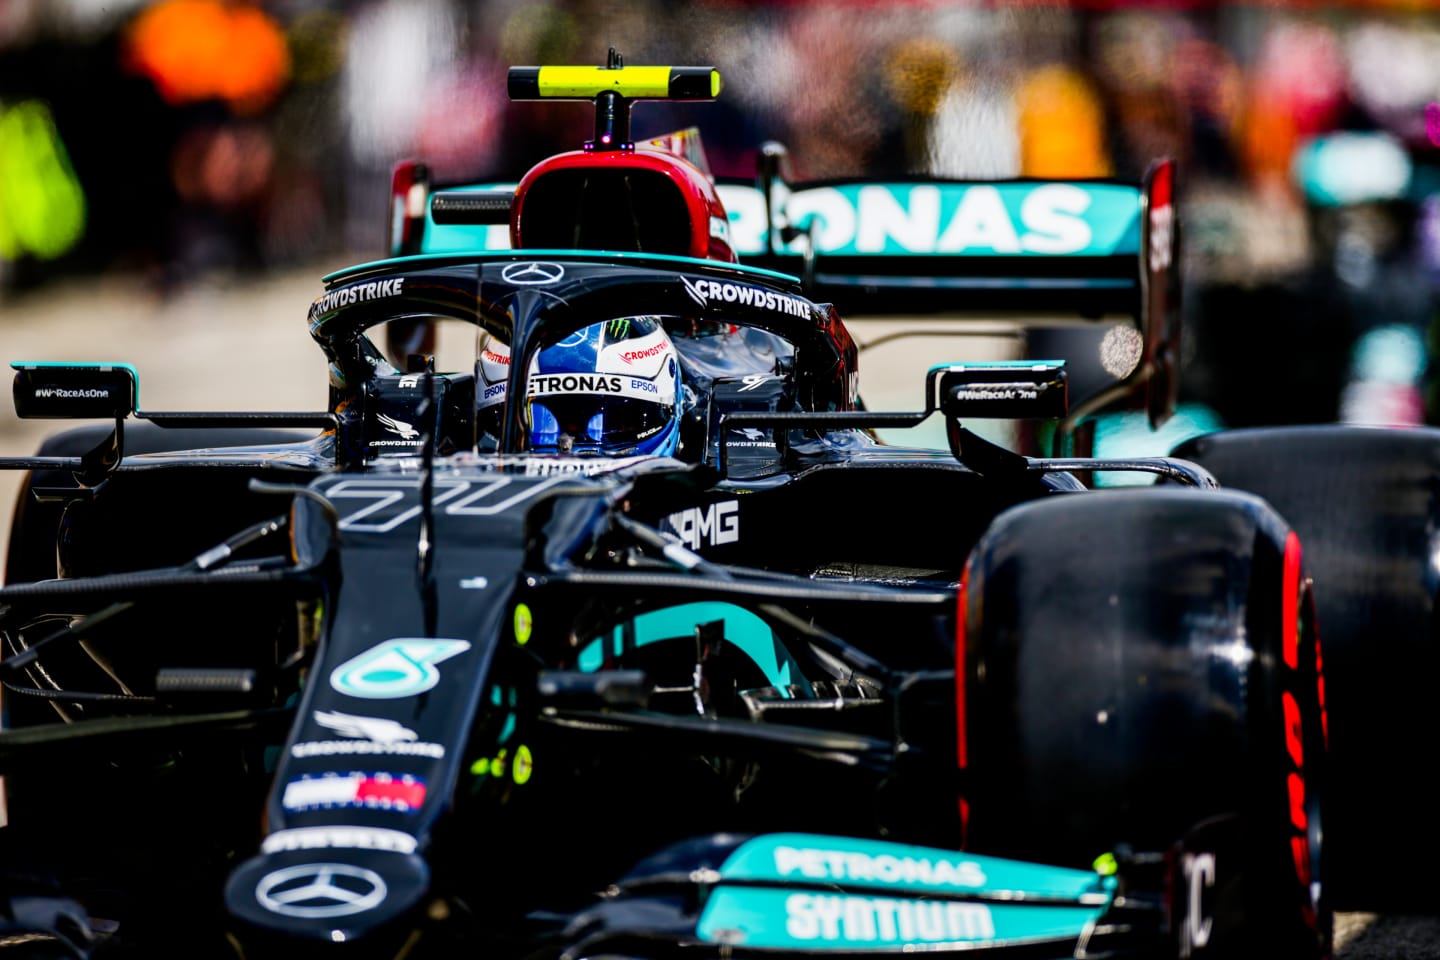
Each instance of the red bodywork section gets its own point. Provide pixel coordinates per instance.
(639, 200)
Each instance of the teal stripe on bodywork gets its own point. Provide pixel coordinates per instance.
(901, 868)
(1025, 218)
(759, 918)
(999, 365)
(96, 365)
(464, 237)
(1003, 218)
(743, 629)
(424, 260)
(853, 894)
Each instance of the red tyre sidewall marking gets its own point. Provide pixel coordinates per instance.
(962, 757)
(1294, 720)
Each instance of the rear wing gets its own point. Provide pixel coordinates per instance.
(1083, 249)
(882, 246)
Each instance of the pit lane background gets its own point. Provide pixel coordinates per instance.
(176, 212)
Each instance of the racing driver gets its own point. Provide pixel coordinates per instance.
(611, 389)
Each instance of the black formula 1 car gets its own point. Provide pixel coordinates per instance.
(387, 680)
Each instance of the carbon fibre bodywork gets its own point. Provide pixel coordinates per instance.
(422, 658)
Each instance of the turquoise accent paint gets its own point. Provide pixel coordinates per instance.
(459, 238)
(419, 261)
(747, 631)
(888, 897)
(1003, 218)
(395, 668)
(1000, 219)
(591, 657)
(898, 868)
(1127, 434)
(760, 918)
(998, 365)
(97, 365)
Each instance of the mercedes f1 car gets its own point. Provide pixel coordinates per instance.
(635, 640)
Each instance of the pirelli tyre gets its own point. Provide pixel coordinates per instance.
(1139, 672)
(1366, 503)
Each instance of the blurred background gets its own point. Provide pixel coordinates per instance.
(176, 160)
(177, 175)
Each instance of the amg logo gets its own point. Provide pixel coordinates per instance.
(716, 524)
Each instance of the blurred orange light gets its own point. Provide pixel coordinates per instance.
(1062, 126)
(206, 49)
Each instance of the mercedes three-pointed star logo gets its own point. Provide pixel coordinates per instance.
(317, 891)
(532, 273)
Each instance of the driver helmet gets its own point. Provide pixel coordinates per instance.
(611, 388)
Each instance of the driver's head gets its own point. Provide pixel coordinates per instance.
(611, 388)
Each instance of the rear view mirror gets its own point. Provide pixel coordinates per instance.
(75, 391)
(1008, 390)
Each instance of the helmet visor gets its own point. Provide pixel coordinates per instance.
(606, 424)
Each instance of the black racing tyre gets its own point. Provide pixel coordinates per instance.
(1366, 503)
(1140, 673)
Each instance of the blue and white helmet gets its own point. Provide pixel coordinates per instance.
(611, 388)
